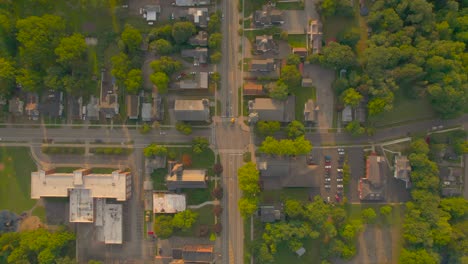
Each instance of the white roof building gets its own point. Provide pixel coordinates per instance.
(168, 203)
(113, 223)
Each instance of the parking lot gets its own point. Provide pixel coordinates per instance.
(331, 181)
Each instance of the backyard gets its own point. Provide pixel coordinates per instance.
(297, 40)
(302, 95)
(205, 218)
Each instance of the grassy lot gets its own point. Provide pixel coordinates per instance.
(404, 109)
(299, 5)
(40, 212)
(250, 6)
(297, 40)
(159, 179)
(311, 256)
(103, 170)
(205, 217)
(274, 196)
(15, 179)
(302, 95)
(66, 169)
(334, 25)
(204, 160)
(247, 23)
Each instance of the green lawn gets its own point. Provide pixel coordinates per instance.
(205, 217)
(250, 6)
(15, 179)
(198, 196)
(159, 179)
(311, 256)
(204, 160)
(251, 34)
(404, 110)
(302, 95)
(334, 25)
(297, 40)
(40, 212)
(291, 6)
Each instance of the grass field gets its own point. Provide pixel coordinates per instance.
(205, 217)
(311, 256)
(198, 196)
(302, 95)
(15, 179)
(297, 40)
(204, 160)
(404, 109)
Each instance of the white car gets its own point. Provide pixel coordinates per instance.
(327, 179)
(339, 186)
(339, 180)
(339, 170)
(327, 166)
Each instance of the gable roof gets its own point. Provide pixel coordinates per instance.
(133, 106)
(274, 110)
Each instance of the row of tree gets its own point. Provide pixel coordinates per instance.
(434, 229)
(414, 47)
(248, 176)
(269, 128)
(285, 147)
(164, 225)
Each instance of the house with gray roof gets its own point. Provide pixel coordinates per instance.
(192, 110)
(200, 39)
(277, 173)
(199, 16)
(268, 17)
(198, 81)
(16, 106)
(451, 179)
(402, 169)
(192, 2)
(315, 36)
(146, 112)
(270, 214)
(92, 109)
(264, 44)
(269, 109)
(109, 101)
(347, 114)
(371, 188)
(199, 55)
(51, 104)
(310, 111)
(265, 65)
(75, 105)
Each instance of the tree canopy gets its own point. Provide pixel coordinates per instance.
(131, 38)
(182, 31)
(161, 80)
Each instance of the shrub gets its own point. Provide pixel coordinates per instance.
(217, 228)
(186, 160)
(218, 169)
(217, 210)
(247, 156)
(217, 193)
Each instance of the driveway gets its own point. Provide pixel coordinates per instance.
(356, 164)
(295, 21)
(322, 79)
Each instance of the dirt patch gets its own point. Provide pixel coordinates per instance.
(2, 166)
(31, 223)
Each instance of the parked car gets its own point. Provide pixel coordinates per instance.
(327, 186)
(339, 170)
(327, 179)
(339, 175)
(341, 151)
(327, 166)
(310, 160)
(327, 158)
(339, 179)
(339, 186)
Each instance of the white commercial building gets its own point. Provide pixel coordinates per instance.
(168, 203)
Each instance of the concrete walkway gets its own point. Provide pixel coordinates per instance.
(216, 202)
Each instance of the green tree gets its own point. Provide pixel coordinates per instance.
(120, 66)
(457, 207)
(71, 49)
(214, 42)
(293, 208)
(131, 38)
(162, 46)
(386, 210)
(7, 75)
(216, 57)
(420, 256)
(200, 144)
(155, 150)
(268, 128)
(214, 24)
(376, 106)
(133, 81)
(351, 97)
(161, 80)
(279, 91)
(184, 220)
(215, 77)
(354, 128)
(166, 65)
(162, 32)
(295, 129)
(350, 36)
(182, 31)
(28, 79)
(264, 255)
(368, 215)
(337, 56)
(247, 206)
(184, 128)
(248, 177)
(419, 146)
(163, 226)
(293, 59)
(291, 76)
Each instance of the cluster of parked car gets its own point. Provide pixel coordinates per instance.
(339, 175)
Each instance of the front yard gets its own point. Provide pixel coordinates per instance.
(297, 40)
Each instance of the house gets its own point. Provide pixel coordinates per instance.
(146, 112)
(199, 81)
(265, 65)
(109, 103)
(347, 114)
(152, 12)
(357, 114)
(315, 36)
(178, 178)
(286, 172)
(268, 17)
(199, 55)
(264, 44)
(193, 254)
(133, 106)
(252, 88)
(200, 39)
(191, 2)
(273, 110)
(451, 180)
(32, 106)
(310, 111)
(92, 109)
(402, 169)
(158, 107)
(270, 214)
(192, 110)
(301, 52)
(75, 105)
(51, 104)
(199, 16)
(168, 203)
(371, 188)
(16, 106)
(360, 114)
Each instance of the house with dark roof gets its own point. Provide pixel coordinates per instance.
(191, 2)
(16, 106)
(264, 44)
(199, 16)
(371, 188)
(179, 178)
(199, 55)
(270, 214)
(200, 39)
(301, 52)
(282, 172)
(310, 111)
(315, 36)
(198, 81)
(109, 101)
(193, 254)
(265, 65)
(353, 114)
(133, 106)
(269, 109)
(451, 179)
(402, 169)
(192, 110)
(51, 104)
(76, 107)
(268, 17)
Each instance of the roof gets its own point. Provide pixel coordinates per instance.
(452, 180)
(51, 103)
(310, 111)
(360, 114)
(192, 110)
(200, 54)
(152, 12)
(133, 106)
(92, 108)
(347, 114)
(274, 110)
(200, 39)
(300, 251)
(113, 224)
(372, 186)
(168, 203)
(251, 88)
(262, 65)
(81, 206)
(146, 110)
(203, 81)
(192, 2)
(315, 36)
(15, 106)
(264, 43)
(285, 172)
(200, 16)
(269, 214)
(116, 185)
(76, 104)
(178, 178)
(402, 168)
(156, 162)
(300, 51)
(307, 82)
(198, 253)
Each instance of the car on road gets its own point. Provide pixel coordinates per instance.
(327, 166)
(310, 160)
(327, 158)
(339, 175)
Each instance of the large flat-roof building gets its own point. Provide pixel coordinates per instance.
(192, 110)
(168, 203)
(274, 110)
